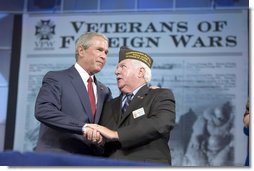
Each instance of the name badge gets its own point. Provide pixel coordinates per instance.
(137, 113)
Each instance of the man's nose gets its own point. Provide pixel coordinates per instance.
(117, 71)
(104, 55)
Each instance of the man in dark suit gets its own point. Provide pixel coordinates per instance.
(63, 105)
(140, 129)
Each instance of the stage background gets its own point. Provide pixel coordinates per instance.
(202, 56)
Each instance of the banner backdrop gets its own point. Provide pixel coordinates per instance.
(201, 55)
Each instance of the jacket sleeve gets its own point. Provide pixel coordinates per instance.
(48, 107)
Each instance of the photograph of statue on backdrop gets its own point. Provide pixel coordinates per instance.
(205, 139)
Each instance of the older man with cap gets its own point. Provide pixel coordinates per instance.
(136, 125)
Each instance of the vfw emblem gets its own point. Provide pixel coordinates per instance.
(44, 32)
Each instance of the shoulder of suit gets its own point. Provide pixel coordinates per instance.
(103, 86)
(63, 71)
(100, 83)
(58, 74)
(160, 90)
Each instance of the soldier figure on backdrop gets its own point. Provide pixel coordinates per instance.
(211, 143)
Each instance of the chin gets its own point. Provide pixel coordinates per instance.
(119, 87)
(98, 70)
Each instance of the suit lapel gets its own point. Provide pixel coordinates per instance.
(136, 103)
(81, 91)
(101, 92)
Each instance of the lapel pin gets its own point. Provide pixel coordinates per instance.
(140, 97)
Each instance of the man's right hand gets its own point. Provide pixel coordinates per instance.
(93, 135)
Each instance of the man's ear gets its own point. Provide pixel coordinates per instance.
(81, 51)
(141, 73)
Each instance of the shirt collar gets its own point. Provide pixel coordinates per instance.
(137, 89)
(134, 92)
(84, 75)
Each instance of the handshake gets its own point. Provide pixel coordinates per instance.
(98, 134)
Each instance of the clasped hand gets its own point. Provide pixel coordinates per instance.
(98, 134)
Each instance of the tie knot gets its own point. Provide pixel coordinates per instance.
(90, 80)
(126, 101)
(129, 95)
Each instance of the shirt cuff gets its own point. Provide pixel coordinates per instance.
(84, 129)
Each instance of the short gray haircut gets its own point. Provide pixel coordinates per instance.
(148, 72)
(85, 40)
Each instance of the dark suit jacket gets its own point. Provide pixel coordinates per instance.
(144, 133)
(63, 107)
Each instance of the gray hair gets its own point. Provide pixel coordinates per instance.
(85, 40)
(148, 72)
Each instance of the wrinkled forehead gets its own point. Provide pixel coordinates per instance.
(124, 62)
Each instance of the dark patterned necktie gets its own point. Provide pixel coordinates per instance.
(127, 102)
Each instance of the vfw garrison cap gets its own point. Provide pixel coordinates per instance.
(127, 53)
